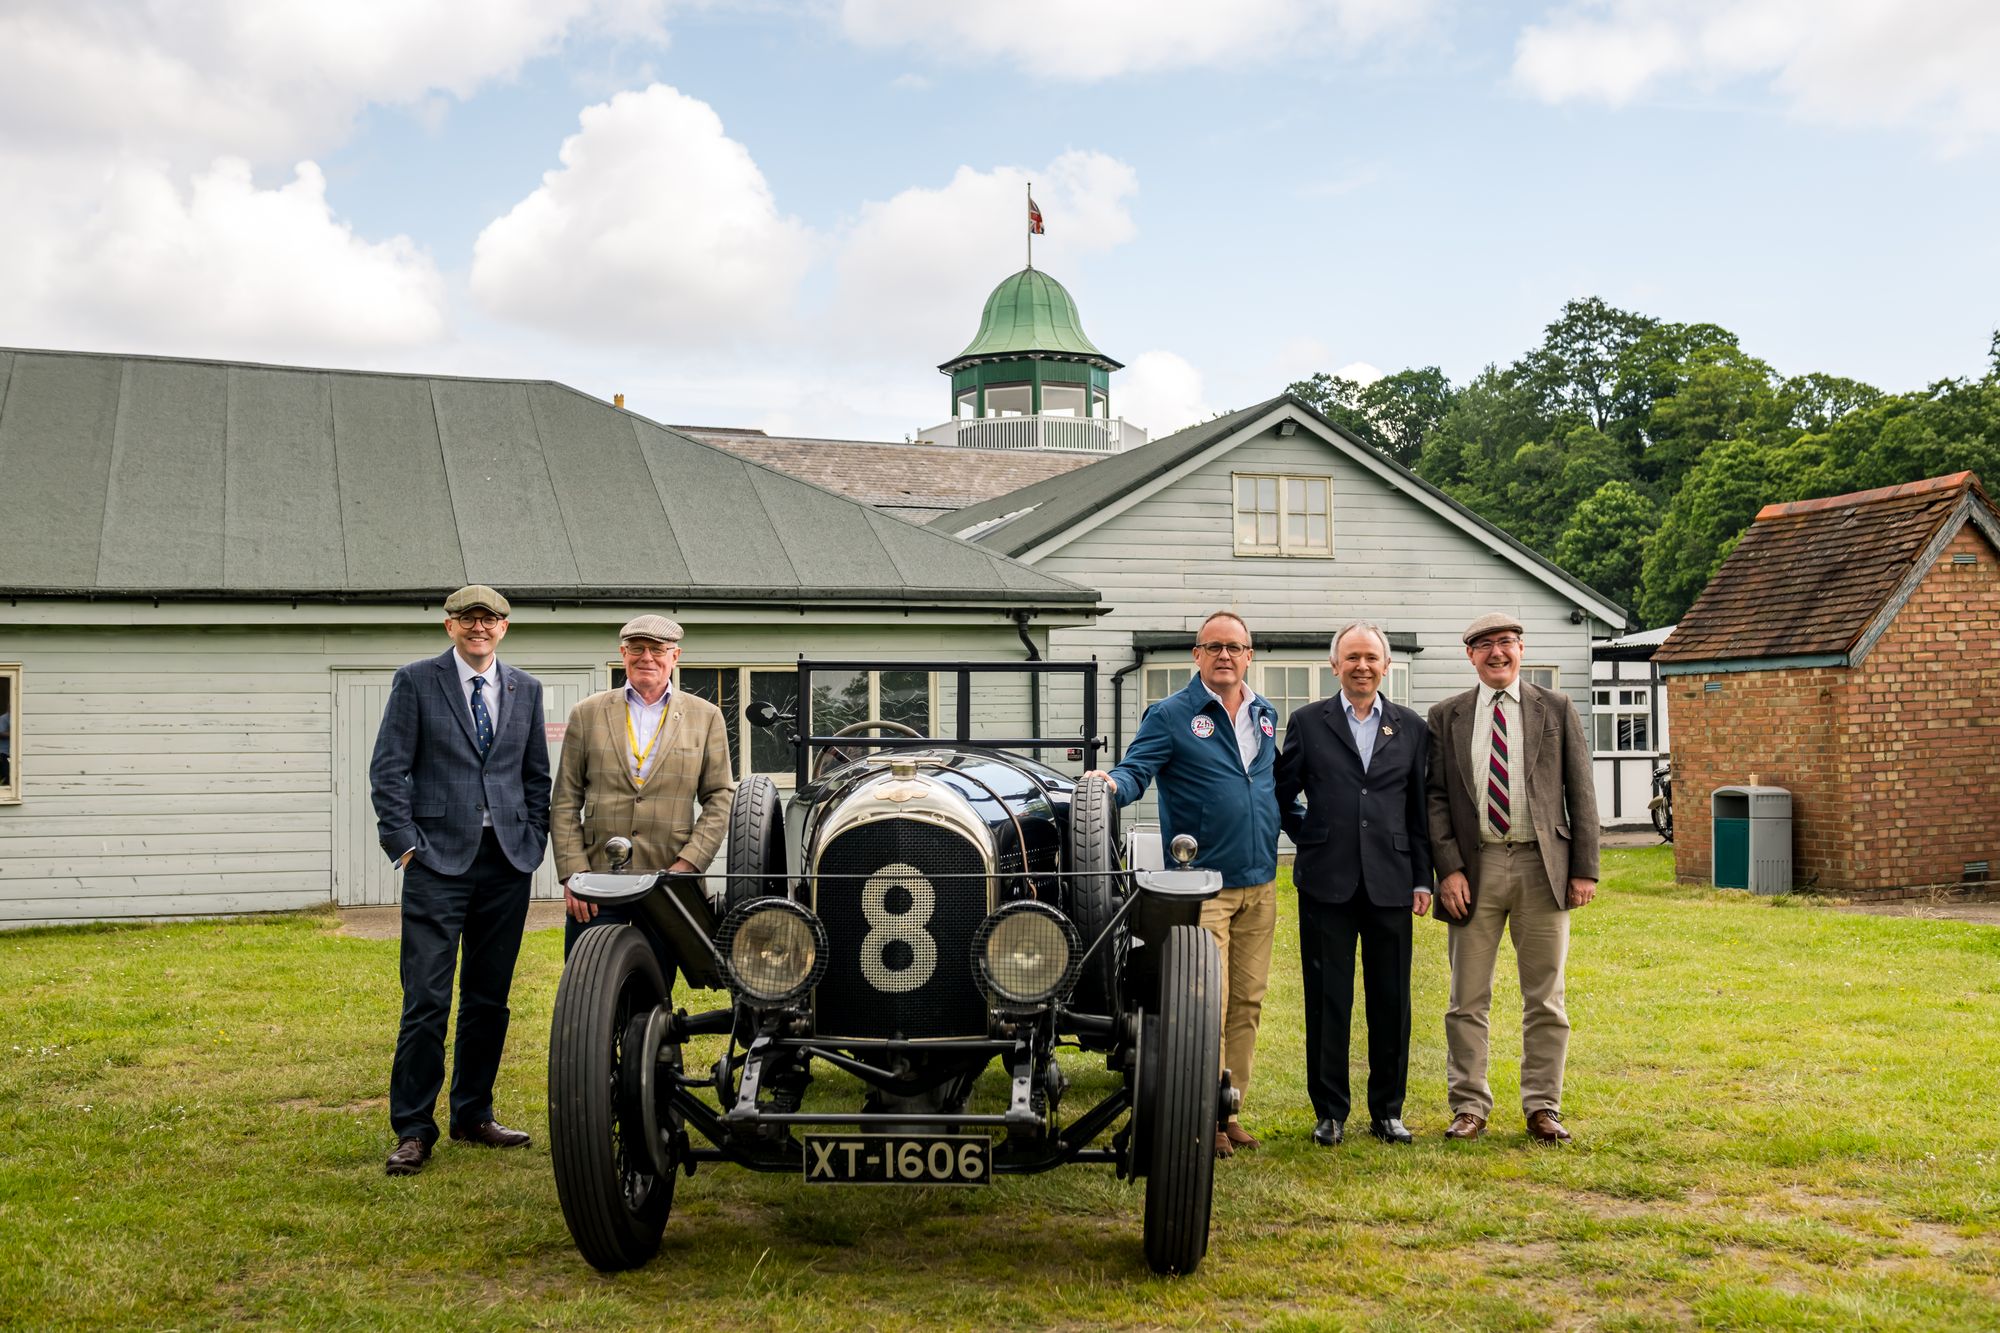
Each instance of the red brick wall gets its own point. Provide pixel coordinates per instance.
(1894, 766)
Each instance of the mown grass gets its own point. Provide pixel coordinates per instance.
(1784, 1120)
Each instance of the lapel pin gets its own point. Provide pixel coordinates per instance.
(1388, 731)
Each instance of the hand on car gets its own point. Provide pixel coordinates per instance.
(1455, 894)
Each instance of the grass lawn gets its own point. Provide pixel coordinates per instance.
(1784, 1119)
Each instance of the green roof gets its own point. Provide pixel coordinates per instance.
(1029, 313)
(170, 478)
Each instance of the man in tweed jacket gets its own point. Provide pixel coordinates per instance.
(635, 763)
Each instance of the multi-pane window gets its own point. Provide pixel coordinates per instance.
(10, 734)
(1283, 515)
(1621, 719)
(1289, 685)
(1544, 676)
(1163, 682)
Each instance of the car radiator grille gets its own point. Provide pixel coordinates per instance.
(900, 938)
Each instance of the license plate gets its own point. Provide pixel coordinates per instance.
(898, 1159)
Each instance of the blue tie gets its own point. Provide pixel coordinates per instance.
(482, 721)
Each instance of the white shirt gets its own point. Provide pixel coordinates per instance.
(1363, 729)
(646, 720)
(489, 694)
(1247, 740)
(1520, 820)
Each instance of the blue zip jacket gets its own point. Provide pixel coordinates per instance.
(1203, 788)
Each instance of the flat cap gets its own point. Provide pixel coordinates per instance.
(1493, 622)
(473, 595)
(658, 628)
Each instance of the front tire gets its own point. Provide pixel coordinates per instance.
(1180, 1146)
(614, 1198)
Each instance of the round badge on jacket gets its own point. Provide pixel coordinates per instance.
(1203, 726)
(1265, 723)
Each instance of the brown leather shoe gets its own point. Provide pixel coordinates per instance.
(1545, 1126)
(1240, 1137)
(489, 1134)
(1223, 1147)
(408, 1158)
(1466, 1125)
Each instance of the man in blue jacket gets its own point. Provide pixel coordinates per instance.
(1212, 747)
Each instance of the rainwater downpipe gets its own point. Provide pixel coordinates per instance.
(1034, 677)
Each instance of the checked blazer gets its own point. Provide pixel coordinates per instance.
(596, 798)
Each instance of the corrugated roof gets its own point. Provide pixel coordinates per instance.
(913, 481)
(131, 475)
(1809, 578)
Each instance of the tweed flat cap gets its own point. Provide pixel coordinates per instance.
(476, 595)
(1493, 622)
(657, 628)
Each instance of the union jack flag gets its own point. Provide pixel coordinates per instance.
(1034, 217)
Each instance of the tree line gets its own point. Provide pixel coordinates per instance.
(1634, 452)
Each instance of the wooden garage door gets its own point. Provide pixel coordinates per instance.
(362, 876)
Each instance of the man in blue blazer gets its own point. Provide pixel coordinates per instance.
(460, 781)
(1363, 870)
(1212, 747)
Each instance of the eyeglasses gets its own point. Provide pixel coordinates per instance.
(479, 622)
(1488, 645)
(1224, 649)
(649, 649)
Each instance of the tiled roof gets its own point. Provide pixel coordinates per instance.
(1808, 578)
(914, 481)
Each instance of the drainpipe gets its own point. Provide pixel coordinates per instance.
(1034, 677)
(1118, 703)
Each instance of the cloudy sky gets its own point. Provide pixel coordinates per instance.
(784, 214)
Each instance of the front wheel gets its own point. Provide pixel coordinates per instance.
(1180, 1147)
(615, 1196)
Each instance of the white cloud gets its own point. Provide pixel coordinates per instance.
(1160, 391)
(1852, 62)
(263, 79)
(221, 268)
(1108, 38)
(933, 254)
(1360, 372)
(657, 226)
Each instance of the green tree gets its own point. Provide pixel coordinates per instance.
(1394, 414)
(1339, 400)
(1604, 542)
(1576, 370)
(1719, 497)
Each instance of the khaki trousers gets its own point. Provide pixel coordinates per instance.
(1243, 922)
(1514, 894)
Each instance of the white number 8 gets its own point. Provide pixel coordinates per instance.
(907, 927)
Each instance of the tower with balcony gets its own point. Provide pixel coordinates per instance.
(1031, 379)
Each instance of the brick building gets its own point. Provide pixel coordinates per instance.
(1849, 650)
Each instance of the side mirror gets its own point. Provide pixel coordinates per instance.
(763, 713)
(1184, 848)
(620, 852)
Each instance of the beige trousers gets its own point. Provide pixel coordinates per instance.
(1243, 922)
(1514, 895)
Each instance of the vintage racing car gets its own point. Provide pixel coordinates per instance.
(923, 908)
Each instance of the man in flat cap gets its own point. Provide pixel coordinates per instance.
(1513, 816)
(460, 781)
(636, 761)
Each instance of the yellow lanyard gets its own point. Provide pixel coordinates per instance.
(639, 755)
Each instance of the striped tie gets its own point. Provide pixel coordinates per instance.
(482, 721)
(1496, 772)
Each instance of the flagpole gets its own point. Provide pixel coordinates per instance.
(1031, 225)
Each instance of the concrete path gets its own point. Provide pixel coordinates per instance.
(386, 923)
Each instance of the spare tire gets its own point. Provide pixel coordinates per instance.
(1093, 889)
(756, 842)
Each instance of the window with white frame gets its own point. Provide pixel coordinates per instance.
(1621, 719)
(1544, 676)
(10, 734)
(1283, 515)
(1291, 685)
(1164, 681)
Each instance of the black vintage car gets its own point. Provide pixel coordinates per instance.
(923, 908)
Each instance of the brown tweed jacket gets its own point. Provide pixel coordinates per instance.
(595, 797)
(1562, 789)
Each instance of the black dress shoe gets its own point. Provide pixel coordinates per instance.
(489, 1134)
(1391, 1131)
(408, 1158)
(1329, 1132)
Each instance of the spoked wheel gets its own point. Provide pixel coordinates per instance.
(616, 1189)
(756, 841)
(1092, 895)
(1186, 1036)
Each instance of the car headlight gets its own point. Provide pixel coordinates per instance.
(1026, 954)
(776, 949)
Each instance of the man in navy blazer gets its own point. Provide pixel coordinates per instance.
(460, 781)
(1363, 870)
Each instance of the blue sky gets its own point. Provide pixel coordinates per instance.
(784, 215)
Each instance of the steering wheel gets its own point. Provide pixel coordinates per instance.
(827, 756)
